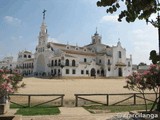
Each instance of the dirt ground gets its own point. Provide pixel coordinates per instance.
(71, 86)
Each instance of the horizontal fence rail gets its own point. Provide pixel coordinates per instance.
(133, 96)
(30, 96)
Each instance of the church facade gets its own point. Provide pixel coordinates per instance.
(55, 59)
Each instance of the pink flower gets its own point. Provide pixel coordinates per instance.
(4, 76)
(9, 82)
(7, 87)
(146, 72)
(1, 71)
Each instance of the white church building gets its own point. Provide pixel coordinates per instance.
(55, 59)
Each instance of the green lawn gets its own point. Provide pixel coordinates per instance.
(41, 110)
(115, 108)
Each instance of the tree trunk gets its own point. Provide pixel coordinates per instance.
(4, 105)
(155, 102)
(145, 102)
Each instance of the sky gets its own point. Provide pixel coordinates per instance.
(72, 22)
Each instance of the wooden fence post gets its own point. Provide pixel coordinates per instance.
(76, 103)
(107, 99)
(134, 96)
(29, 101)
(62, 101)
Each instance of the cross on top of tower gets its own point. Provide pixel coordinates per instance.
(44, 14)
(96, 33)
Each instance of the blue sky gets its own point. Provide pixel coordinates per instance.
(72, 21)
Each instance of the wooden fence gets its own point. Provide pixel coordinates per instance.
(131, 96)
(108, 99)
(29, 99)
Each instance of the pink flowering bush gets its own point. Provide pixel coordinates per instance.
(148, 80)
(9, 83)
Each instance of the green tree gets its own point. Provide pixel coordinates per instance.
(134, 9)
(154, 57)
(142, 64)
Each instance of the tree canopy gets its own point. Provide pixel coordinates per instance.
(134, 9)
(142, 64)
(154, 57)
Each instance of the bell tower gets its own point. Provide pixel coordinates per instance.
(96, 39)
(43, 36)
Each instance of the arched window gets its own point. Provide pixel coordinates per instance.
(73, 63)
(109, 69)
(29, 56)
(67, 47)
(76, 48)
(32, 65)
(109, 62)
(55, 62)
(119, 54)
(102, 72)
(67, 62)
(52, 63)
(25, 56)
(59, 62)
(97, 71)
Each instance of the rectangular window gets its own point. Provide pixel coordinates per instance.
(67, 71)
(82, 71)
(73, 71)
(55, 72)
(51, 71)
(59, 71)
(87, 72)
(85, 60)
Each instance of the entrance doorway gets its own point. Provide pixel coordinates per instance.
(93, 72)
(120, 73)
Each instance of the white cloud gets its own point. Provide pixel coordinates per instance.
(109, 18)
(153, 17)
(144, 40)
(12, 20)
(52, 40)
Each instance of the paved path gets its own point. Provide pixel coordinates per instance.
(77, 113)
(70, 117)
(73, 111)
(68, 113)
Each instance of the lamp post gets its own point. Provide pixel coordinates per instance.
(157, 25)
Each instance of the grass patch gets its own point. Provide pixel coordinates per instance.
(38, 111)
(115, 108)
(12, 106)
(41, 110)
